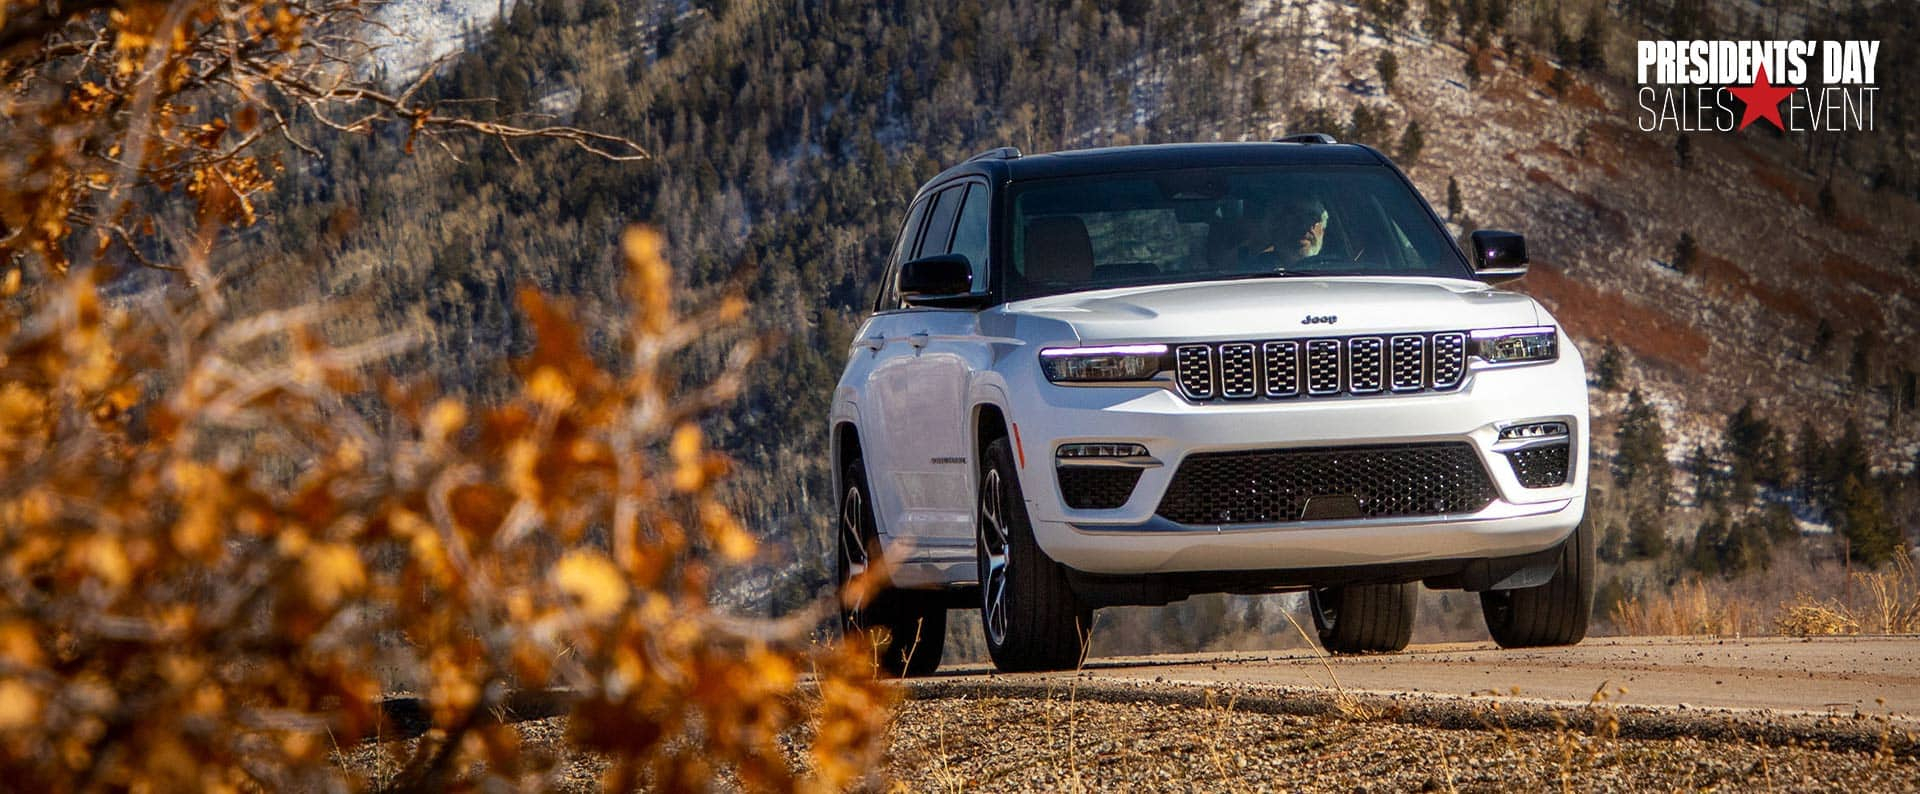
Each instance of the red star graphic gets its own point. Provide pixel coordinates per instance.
(1762, 100)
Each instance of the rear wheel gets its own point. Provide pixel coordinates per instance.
(1554, 613)
(1365, 618)
(908, 629)
(1032, 617)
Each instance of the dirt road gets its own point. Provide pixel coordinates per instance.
(1875, 676)
(1735, 715)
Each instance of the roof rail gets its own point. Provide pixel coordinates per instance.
(1002, 153)
(1306, 137)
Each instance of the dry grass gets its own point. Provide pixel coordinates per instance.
(1692, 607)
(1886, 601)
(1797, 600)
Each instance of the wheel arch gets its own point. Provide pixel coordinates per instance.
(989, 423)
(845, 444)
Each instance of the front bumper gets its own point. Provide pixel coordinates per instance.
(1132, 539)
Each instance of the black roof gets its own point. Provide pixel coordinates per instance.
(1161, 157)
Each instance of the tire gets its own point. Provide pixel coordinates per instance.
(908, 629)
(1028, 610)
(1364, 618)
(1554, 613)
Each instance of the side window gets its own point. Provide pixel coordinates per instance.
(889, 297)
(940, 222)
(970, 234)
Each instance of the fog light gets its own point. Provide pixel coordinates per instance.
(1533, 430)
(1101, 451)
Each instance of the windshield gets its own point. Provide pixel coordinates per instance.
(1095, 232)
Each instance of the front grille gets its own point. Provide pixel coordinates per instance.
(1274, 486)
(1322, 367)
(1096, 488)
(1541, 467)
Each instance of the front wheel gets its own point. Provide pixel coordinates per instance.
(1364, 618)
(1554, 613)
(1032, 617)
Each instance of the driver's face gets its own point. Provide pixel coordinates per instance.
(1303, 236)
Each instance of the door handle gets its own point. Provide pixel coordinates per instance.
(874, 342)
(918, 340)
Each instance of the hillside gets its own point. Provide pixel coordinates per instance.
(788, 140)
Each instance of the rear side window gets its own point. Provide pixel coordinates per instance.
(946, 205)
(970, 234)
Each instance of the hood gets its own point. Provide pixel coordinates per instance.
(1278, 308)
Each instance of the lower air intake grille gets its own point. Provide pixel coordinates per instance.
(1540, 467)
(1095, 488)
(1274, 486)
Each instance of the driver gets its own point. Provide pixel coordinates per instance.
(1295, 229)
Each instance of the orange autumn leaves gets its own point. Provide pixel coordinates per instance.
(218, 557)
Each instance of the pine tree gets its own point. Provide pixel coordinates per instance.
(1646, 534)
(1606, 372)
(1871, 536)
(1389, 68)
(1592, 46)
(1860, 364)
(1706, 476)
(1709, 544)
(1412, 140)
(1614, 546)
(1640, 463)
(1683, 252)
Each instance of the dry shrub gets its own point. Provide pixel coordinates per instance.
(1891, 598)
(207, 552)
(1690, 608)
(1811, 617)
(1885, 601)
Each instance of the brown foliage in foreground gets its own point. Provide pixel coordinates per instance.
(207, 554)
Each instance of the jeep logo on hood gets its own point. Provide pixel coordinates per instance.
(1319, 319)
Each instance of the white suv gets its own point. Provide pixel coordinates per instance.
(1129, 375)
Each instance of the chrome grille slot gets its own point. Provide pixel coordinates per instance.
(1283, 368)
(1237, 379)
(1409, 363)
(1449, 359)
(1323, 366)
(1194, 367)
(1363, 365)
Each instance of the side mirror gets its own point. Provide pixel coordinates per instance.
(943, 280)
(1498, 256)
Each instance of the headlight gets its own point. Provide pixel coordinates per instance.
(1103, 364)
(1515, 345)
